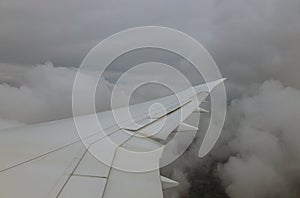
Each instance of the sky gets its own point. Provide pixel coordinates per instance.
(255, 39)
(255, 44)
(251, 41)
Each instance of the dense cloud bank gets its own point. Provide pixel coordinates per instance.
(33, 94)
(264, 143)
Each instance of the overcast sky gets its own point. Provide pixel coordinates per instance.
(64, 31)
(251, 41)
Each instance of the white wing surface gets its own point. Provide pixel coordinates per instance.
(51, 160)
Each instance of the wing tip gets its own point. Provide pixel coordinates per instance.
(211, 85)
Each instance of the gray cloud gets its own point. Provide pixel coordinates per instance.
(42, 93)
(265, 144)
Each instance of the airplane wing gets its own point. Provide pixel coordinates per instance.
(52, 160)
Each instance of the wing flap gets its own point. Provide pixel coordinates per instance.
(84, 186)
(42, 177)
(133, 185)
(90, 166)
